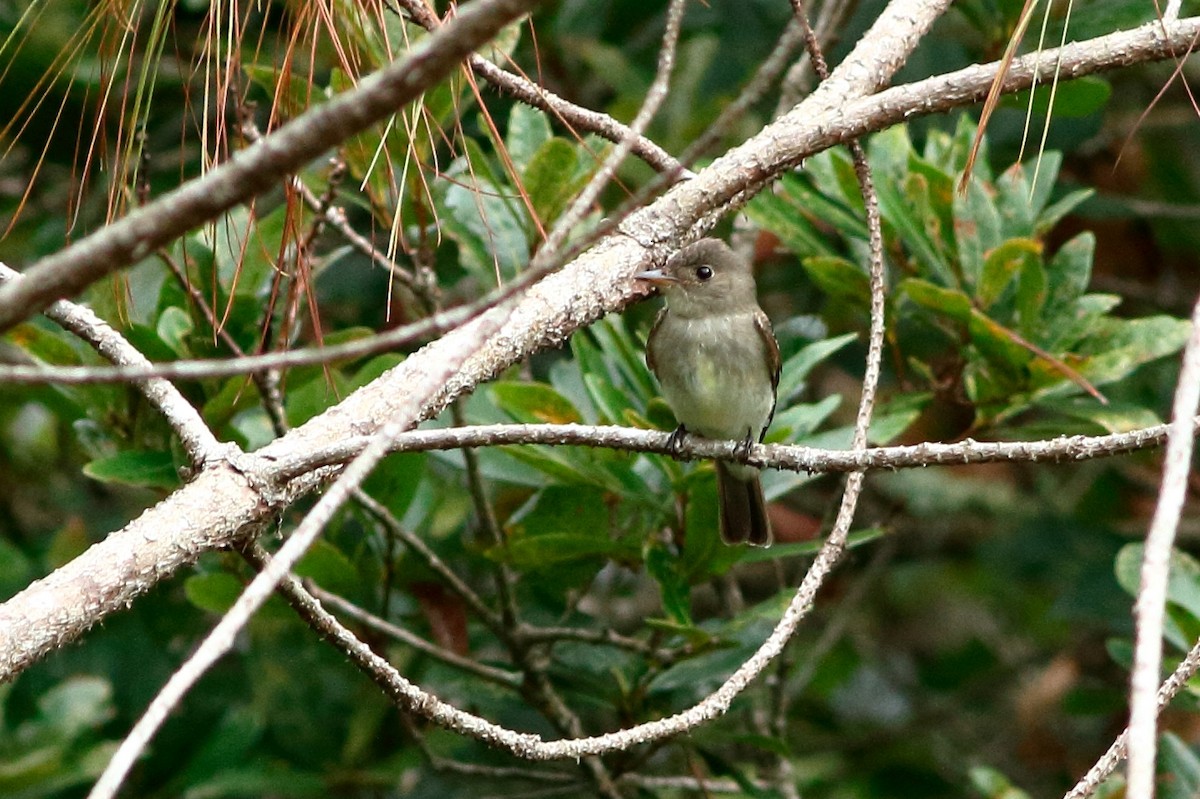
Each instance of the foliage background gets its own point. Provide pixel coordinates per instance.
(978, 635)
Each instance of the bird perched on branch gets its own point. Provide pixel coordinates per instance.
(716, 358)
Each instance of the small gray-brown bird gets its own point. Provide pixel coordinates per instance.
(716, 358)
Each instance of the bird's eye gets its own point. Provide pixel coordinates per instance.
(704, 272)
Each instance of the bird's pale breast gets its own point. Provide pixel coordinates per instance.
(715, 375)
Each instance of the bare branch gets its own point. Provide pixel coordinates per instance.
(508, 679)
(789, 457)
(1156, 561)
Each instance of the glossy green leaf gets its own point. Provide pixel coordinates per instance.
(305, 401)
(949, 303)
(1179, 768)
(796, 368)
(174, 327)
(1183, 586)
(794, 423)
(672, 586)
(328, 567)
(142, 468)
(533, 403)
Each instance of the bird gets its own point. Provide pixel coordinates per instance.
(717, 362)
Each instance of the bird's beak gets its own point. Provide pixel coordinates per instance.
(656, 277)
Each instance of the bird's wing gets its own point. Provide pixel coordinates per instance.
(763, 326)
(650, 341)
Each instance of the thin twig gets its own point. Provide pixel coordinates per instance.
(249, 364)
(430, 559)
(265, 381)
(1150, 607)
(508, 679)
(335, 217)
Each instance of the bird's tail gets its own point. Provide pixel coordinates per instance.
(743, 509)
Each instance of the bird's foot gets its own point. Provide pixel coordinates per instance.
(742, 450)
(676, 439)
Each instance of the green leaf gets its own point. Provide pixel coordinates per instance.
(533, 403)
(995, 343)
(978, 228)
(799, 421)
(45, 345)
(1069, 272)
(1031, 297)
(485, 218)
(1121, 345)
(1183, 587)
(1010, 259)
(839, 278)
(950, 303)
(779, 213)
(173, 328)
(796, 368)
(546, 179)
(76, 705)
(315, 396)
(528, 131)
(143, 468)
(326, 565)
(1051, 216)
(627, 354)
(545, 552)
(993, 784)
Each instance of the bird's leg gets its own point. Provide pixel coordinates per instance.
(675, 439)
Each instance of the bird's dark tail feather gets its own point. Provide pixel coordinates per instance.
(743, 509)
